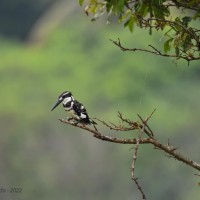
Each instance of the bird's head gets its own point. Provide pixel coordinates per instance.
(64, 97)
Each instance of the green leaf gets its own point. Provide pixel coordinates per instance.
(186, 20)
(144, 9)
(116, 5)
(81, 2)
(131, 24)
(126, 23)
(125, 16)
(167, 45)
(121, 5)
(150, 31)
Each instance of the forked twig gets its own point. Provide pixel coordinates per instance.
(136, 153)
(147, 119)
(112, 126)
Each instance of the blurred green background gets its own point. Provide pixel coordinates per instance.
(47, 47)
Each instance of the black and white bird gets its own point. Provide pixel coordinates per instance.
(75, 109)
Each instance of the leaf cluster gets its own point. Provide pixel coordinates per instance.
(176, 19)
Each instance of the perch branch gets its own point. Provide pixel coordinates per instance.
(169, 149)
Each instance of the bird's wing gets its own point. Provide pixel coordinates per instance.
(80, 109)
(82, 113)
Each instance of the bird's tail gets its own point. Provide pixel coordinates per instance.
(92, 121)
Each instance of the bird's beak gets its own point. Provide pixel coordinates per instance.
(56, 104)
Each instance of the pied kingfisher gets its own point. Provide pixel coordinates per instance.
(75, 109)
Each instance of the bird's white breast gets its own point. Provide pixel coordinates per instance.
(73, 114)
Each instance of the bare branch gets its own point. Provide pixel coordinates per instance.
(155, 51)
(169, 149)
(136, 153)
(104, 137)
(138, 142)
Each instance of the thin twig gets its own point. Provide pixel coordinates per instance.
(135, 125)
(151, 114)
(139, 188)
(115, 127)
(156, 51)
(135, 156)
(151, 132)
(134, 162)
(135, 153)
(128, 121)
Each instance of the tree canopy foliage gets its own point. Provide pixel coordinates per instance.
(177, 19)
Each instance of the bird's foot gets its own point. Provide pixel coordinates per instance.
(69, 119)
(72, 121)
